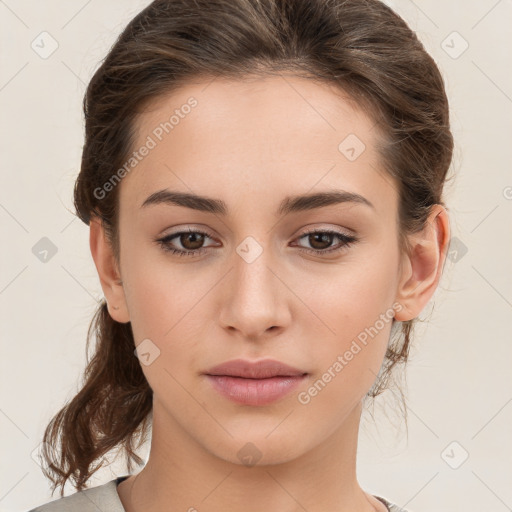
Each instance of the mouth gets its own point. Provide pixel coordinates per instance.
(254, 383)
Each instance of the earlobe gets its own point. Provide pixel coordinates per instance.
(424, 264)
(108, 272)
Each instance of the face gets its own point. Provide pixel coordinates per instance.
(259, 275)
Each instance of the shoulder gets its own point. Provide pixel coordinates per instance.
(391, 506)
(103, 497)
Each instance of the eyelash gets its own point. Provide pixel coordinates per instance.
(345, 239)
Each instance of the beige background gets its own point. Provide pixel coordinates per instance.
(460, 388)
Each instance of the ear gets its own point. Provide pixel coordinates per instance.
(423, 266)
(108, 272)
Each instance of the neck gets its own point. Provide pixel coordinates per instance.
(181, 475)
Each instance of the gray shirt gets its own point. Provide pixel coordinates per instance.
(104, 498)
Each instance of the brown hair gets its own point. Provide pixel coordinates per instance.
(362, 46)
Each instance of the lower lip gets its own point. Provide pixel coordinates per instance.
(254, 391)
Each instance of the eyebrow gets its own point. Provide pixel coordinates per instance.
(290, 204)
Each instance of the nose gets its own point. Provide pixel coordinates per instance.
(255, 298)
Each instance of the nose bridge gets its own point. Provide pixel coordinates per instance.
(253, 279)
(256, 301)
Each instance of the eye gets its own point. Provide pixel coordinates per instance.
(321, 240)
(192, 242)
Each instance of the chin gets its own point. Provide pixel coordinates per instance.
(258, 448)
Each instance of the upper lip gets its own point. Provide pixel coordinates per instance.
(255, 369)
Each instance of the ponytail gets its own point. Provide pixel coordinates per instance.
(111, 409)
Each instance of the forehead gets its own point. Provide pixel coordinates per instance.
(268, 137)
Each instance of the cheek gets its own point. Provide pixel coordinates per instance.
(352, 320)
(162, 310)
(160, 296)
(350, 297)
(166, 305)
(347, 363)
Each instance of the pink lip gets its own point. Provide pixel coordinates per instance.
(254, 383)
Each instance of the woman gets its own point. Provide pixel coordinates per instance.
(263, 184)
